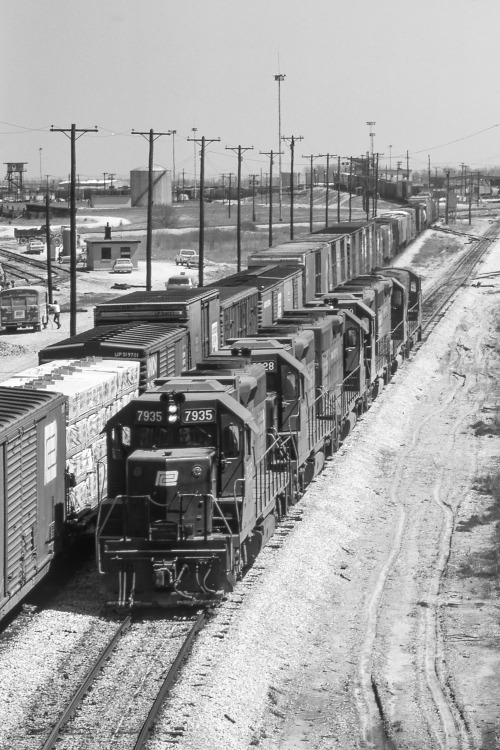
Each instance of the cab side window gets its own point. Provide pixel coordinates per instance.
(397, 298)
(231, 441)
(290, 389)
(351, 338)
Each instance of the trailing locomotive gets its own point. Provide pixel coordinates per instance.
(264, 373)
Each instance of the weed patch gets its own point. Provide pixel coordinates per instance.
(482, 428)
(484, 563)
(437, 246)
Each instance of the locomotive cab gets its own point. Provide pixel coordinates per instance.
(181, 484)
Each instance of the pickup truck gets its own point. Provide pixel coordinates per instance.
(189, 258)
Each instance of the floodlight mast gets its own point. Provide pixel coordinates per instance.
(280, 77)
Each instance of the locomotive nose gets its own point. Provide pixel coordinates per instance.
(181, 485)
(163, 474)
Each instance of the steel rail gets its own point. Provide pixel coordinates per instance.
(17, 272)
(147, 727)
(15, 257)
(89, 679)
(439, 297)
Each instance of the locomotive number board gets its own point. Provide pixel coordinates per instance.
(151, 416)
(189, 416)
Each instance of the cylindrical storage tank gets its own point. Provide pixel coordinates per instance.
(139, 186)
(66, 240)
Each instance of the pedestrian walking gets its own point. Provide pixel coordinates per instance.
(57, 313)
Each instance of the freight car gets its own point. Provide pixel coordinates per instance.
(32, 479)
(53, 461)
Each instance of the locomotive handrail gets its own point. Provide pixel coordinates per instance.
(242, 480)
(222, 517)
(400, 326)
(99, 527)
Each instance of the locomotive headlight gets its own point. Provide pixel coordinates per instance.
(173, 413)
(196, 471)
(137, 471)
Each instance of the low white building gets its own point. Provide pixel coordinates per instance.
(103, 251)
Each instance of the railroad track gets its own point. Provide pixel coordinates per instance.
(440, 297)
(119, 698)
(30, 270)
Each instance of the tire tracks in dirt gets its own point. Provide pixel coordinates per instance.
(378, 702)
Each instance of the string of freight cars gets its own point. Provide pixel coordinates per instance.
(222, 405)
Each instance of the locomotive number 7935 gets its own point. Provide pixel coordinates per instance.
(198, 415)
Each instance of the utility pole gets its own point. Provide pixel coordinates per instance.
(462, 165)
(311, 157)
(150, 136)
(173, 133)
(223, 188)
(367, 185)
(390, 158)
(230, 175)
(429, 170)
(111, 176)
(72, 210)
(47, 240)
(239, 150)
(407, 165)
(195, 130)
(471, 189)
(372, 135)
(201, 244)
(253, 176)
(104, 183)
(375, 195)
(447, 172)
(280, 78)
(338, 190)
(350, 188)
(271, 155)
(327, 184)
(292, 140)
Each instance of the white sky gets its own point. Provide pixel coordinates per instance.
(425, 71)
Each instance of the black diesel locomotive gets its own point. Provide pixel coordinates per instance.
(202, 465)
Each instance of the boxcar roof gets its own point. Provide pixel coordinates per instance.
(18, 404)
(161, 297)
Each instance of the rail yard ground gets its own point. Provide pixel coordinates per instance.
(372, 621)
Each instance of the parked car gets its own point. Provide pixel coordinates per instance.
(123, 265)
(179, 282)
(35, 247)
(187, 258)
(81, 257)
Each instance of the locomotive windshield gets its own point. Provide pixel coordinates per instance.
(173, 436)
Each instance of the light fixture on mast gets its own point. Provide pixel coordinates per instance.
(280, 77)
